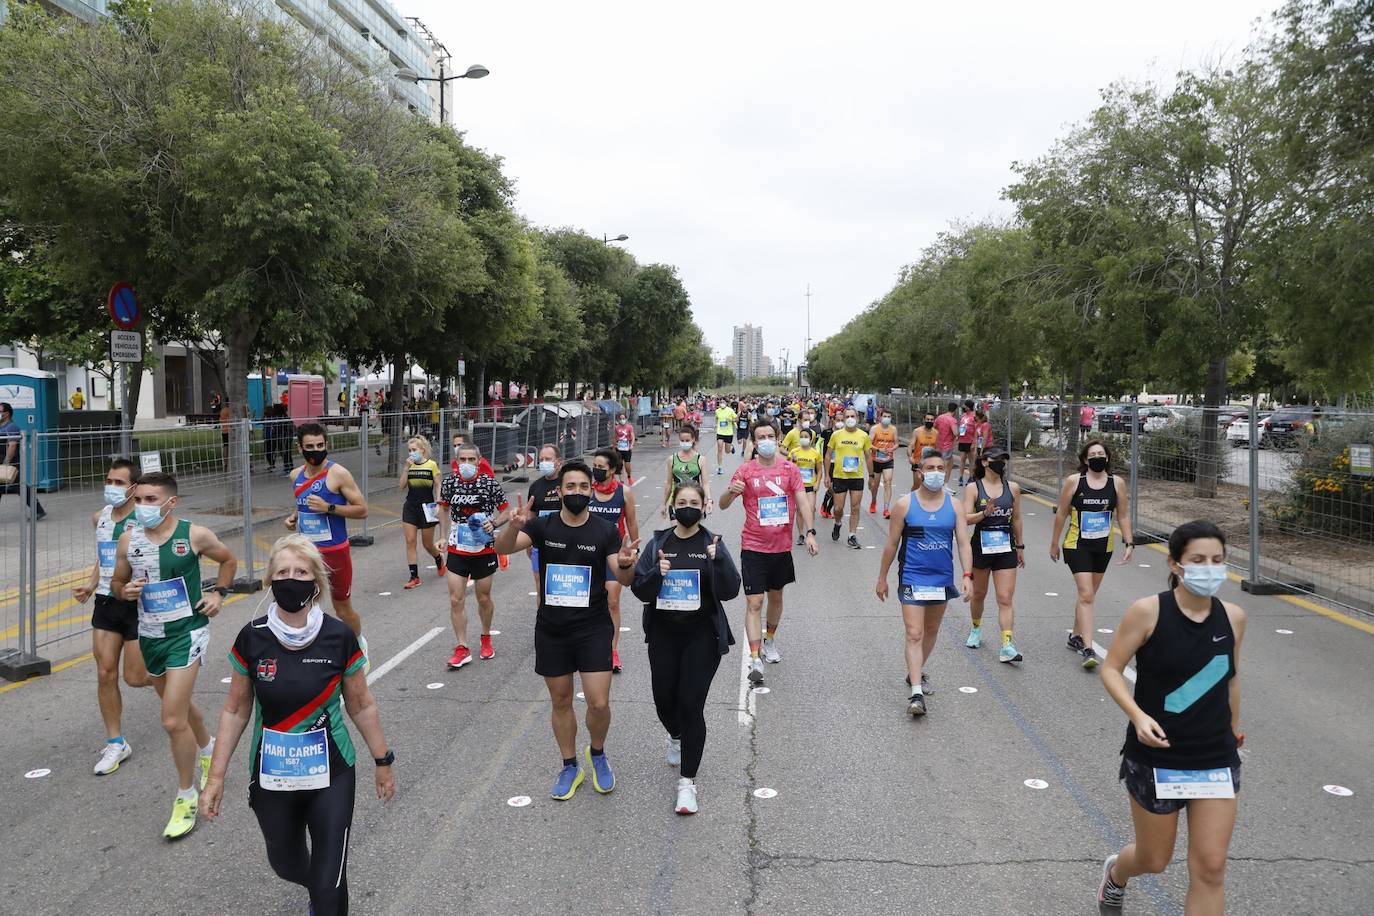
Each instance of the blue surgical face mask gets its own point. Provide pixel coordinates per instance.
(467, 471)
(416, 457)
(546, 468)
(933, 480)
(1204, 579)
(117, 495)
(686, 445)
(768, 448)
(147, 515)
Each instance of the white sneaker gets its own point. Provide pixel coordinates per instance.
(674, 752)
(686, 797)
(770, 652)
(112, 757)
(756, 672)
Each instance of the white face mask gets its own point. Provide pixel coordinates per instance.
(1204, 579)
(805, 441)
(850, 422)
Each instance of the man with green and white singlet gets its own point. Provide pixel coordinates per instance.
(157, 564)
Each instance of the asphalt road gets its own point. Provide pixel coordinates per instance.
(873, 812)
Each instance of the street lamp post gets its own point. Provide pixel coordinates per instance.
(622, 237)
(474, 72)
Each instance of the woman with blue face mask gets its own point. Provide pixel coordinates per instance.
(1182, 744)
(420, 512)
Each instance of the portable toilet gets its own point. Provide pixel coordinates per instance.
(33, 395)
(259, 395)
(304, 398)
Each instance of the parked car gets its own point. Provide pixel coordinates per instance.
(1043, 411)
(1287, 427)
(1116, 418)
(1238, 430)
(1154, 419)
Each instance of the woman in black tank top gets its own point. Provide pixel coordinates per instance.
(1181, 748)
(992, 505)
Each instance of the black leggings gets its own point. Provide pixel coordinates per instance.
(682, 662)
(328, 814)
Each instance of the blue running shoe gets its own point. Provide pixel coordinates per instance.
(975, 637)
(1009, 653)
(569, 778)
(603, 780)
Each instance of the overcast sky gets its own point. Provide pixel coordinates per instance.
(761, 146)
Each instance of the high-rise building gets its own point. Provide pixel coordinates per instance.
(748, 360)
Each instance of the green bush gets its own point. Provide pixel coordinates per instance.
(1023, 425)
(1323, 496)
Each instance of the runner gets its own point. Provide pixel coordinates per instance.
(947, 435)
(114, 622)
(849, 463)
(476, 505)
(684, 580)
(624, 435)
(725, 434)
(484, 469)
(1085, 420)
(665, 423)
(420, 512)
(679, 414)
(157, 564)
(326, 496)
(579, 554)
(615, 504)
(808, 460)
(1088, 503)
(289, 671)
(1184, 731)
(968, 433)
(687, 465)
(924, 437)
(543, 493)
(993, 505)
(742, 423)
(982, 440)
(884, 437)
(920, 534)
(772, 490)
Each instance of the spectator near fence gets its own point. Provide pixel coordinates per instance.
(9, 442)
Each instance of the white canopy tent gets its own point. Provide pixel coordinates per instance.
(381, 380)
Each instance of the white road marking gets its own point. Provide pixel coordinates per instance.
(435, 686)
(1128, 672)
(1036, 784)
(401, 656)
(765, 793)
(1342, 791)
(41, 772)
(518, 801)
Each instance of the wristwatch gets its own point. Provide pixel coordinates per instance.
(810, 530)
(330, 510)
(217, 589)
(386, 761)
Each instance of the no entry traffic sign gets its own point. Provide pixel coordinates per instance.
(123, 306)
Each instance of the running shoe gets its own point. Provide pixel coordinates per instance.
(632, 480)
(770, 651)
(183, 817)
(413, 583)
(674, 752)
(615, 661)
(461, 656)
(975, 638)
(1075, 643)
(1108, 894)
(835, 532)
(1090, 660)
(825, 513)
(873, 507)
(603, 780)
(1008, 653)
(115, 753)
(887, 513)
(502, 560)
(801, 539)
(926, 685)
(367, 658)
(686, 797)
(487, 651)
(569, 778)
(439, 566)
(854, 542)
(917, 705)
(204, 760)
(756, 672)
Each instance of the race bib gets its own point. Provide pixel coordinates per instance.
(808, 475)
(105, 554)
(850, 464)
(163, 602)
(314, 525)
(773, 511)
(882, 454)
(994, 540)
(431, 512)
(567, 586)
(681, 590)
(463, 538)
(912, 593)
(1094, 525)
(622, 445)
(666, 424)
(293, 761)
(1194, 783)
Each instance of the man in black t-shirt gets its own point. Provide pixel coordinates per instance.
(543, 493)
(573, 630)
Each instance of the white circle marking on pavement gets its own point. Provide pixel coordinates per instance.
(384, 594)
(495, 632)
(37, 774)
(435, 686)
(624, 629)
(968, 689)
(1144, 565)
(1051, 594)
(869, 547)
(1104, 629)
(765, 793)
(1342, 791)
(1036, 784)
(1030, 513)
(226, 680)
(1285, 632)
(518, 801)
(762, 690)
(533, 594)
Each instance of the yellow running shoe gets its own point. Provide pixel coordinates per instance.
(183, 817)
(205, 769)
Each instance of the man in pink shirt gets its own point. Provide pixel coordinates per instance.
(772, 490)
(947, 433)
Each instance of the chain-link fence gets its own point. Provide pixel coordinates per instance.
(232, 478)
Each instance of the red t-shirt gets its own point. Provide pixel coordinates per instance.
(625, 432)
(968, 425)
(947, 428)
(777, 486)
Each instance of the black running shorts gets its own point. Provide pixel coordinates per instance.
(766, 572)
(472, 566)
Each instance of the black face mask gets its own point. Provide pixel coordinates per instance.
(600, 474)
(930, 424)
(292, 595)
(688, 516)
(315, 456)
(997, 467)
(576, 503)
(1097, 463)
